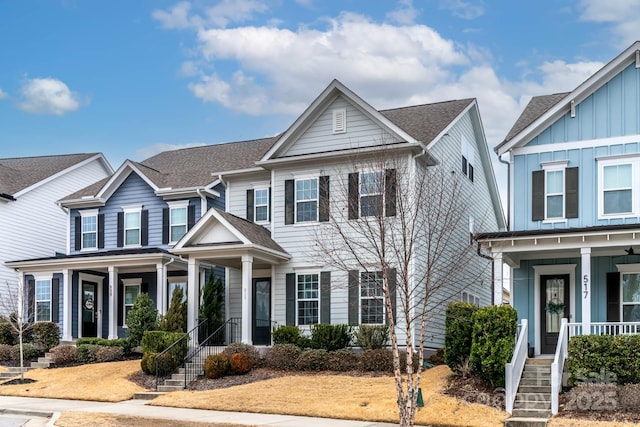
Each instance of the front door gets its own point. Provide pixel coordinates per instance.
(554, 297)
(262, 312)
(89, 313)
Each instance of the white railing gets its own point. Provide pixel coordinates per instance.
(513, 370)
(605, 328)
(558, 365)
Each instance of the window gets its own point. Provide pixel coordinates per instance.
(554, 194)
(371, 298)
(468, 158)
(306, 200)
(371, 193)
(177, 220)
(307, 287)
(178, 283)
(617, 189)
(43, 300)
(631, 297)
(131, 291)
(470, 298)
(89, 229)
(132, 227)
(554, 191)
(261, 204)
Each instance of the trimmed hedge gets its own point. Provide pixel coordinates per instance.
(46, 335)
(330, 337)
(5, 352)
(217, 365)
(458, 332)
(252, 353)
(313, 360)
(282, 356)
(7, 334)
(64, 354)
(371, 337)
(29, 352)
(604, 357)
(343, 360)
(286, 334)
(117, 342)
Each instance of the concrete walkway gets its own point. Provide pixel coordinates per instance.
(34, 412)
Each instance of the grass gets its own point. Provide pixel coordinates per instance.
(99, 419)
(567, 422)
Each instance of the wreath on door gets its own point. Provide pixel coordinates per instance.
(554, 307)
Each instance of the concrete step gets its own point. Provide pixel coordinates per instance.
(147, 395)
(540, 361)
(41, 365)
(16, 369)
(45, 360)
(532, 372)
(8, 375)
(169, 388)
(178, 377)
(174, 383)
(531, 413)
(532, 404)
(535, 388)
(542, 381)
(525, 422)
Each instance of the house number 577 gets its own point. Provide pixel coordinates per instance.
(585, 284)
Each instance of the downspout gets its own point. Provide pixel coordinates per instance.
(203, 202)
(493, 270)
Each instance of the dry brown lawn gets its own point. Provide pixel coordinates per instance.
(99, 419)
(346, 397)
(568, 422)
(104, 382)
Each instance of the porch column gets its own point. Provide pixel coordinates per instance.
(247, 267)
(497, 278)
(585, 290)
(22, 294)
(66, 306)
(161, 292)
(113, 302)
(193, 270)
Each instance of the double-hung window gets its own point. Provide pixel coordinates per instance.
(177, 220)
(89, 229)
(371, 298)
(43, 300)
(554, 193)
(631, 297)
(308, 298)
(261, 204)
(131, 292)
(306, 200)
(132, 223)
(617, 189)
(468, 158)
(371, 193)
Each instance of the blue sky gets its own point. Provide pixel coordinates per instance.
(131, 78)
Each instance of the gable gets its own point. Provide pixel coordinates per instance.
(215, 234)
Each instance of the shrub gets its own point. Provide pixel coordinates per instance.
(7, 334)
(437, 358)
(176, 317)
(240, 363)
(380, 360)
(212, 304)
(117, 342)
(330, 337)
(107, 354)
(86, 353)
(29, 352)
(216, 365)
(493, 340)
(64, 354)
(458, 331)
(252, 353)
(601, 357)
(46, 335)
(371, 337)
(142, 317)
(282, 356)
(158, 341)
(5, 352)
(343, 360)
(313, 360)
(286, 334)
(148, 363)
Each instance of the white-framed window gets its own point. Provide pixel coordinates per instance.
(177, 220)
(339, 120)
(308, 298)
(554, 190)
(371, 193)
(306, 200)
(261, 204)
(43, 300)
(131, 290)
(132, 225)
(630, 297)
(470, 298)
(177, 282)
(371, 298)
(616, 194)
(89, 229)
(468, 158)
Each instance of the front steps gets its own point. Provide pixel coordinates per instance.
(532, 406)
(195, 368)
(14, 371)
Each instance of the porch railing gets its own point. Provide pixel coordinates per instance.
(558, 365)
(605, 328)
(513, 369)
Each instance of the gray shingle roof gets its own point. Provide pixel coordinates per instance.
(255, 233)
(19, 173)
(534, 109)
(425, 122)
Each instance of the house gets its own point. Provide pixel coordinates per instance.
(252, 210)
(574, 203)
(32, 224)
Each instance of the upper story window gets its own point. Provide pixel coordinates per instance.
(371, 193)
(468, 158)
(43, 300)
(177, 220)
(306, 200)
(371, 298)
(554, 192)
(617, 196)
(308, 298)
(261, 204)
(132, 224)
(89, 237)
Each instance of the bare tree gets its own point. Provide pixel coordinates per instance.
(408, 221)
(15, 304)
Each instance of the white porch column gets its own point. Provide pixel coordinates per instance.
(247, 267)
(585, 290)
(66, 306)
(161, 292)
(497, 278)
(192, 292)
(22, 293)
(113, 302)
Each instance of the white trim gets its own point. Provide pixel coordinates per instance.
(134, 282)
(49, 280)
(130, 210)
(635, 187)
(86, 214)
(178, 204)
(98, 280)
(381, 297)
(318, 298)
(339, 120)
(255, 204)
(576, 145)
(295, 199)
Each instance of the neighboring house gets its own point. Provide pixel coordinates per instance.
(32, 224)
(251, 209)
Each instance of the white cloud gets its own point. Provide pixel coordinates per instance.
(177, 17)
(405, 14)
(47, 96)
(3, 94)
(152, 150)
(623, 15)
(464, 9)
(220, 15)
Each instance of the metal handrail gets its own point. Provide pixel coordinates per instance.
(513, 369)
(558, 365)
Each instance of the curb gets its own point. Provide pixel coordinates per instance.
(27, 412)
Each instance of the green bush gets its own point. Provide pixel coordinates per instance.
(7, 334)
(330, 337)
(493, 340)
(252, 353)
(29, 352)
(313, 360)
(371, 337)
(240, 363)
(117, 342)
(282, 356)
(343, 360)
(156, 342)
(437, 358)
(148, 363)
(217, 365)
(380, 360)
(64, 354)
(176, 317)
(142, 317)
(46, 335)
(601, 357)
(86, 353)
(6, 352)
(458, 330)
(286, 334)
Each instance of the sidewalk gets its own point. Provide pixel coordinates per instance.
(16, 407)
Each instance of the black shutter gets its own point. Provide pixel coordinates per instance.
(354, 195)
(571, 188)
(250, 205)
(120, 303)
(78, 232)
(100, 231)
(144, 227)
(269, 210)
(291, 298)
(288, 201)
(613, 297)
(390, 192)
(323, 215)
(537, 195)
(120, 234)
(144, 288)
(191, 216)
(165, 226)
(55, 300)
(31, 300)
(325, 297)
(354, 299)
(392, 292)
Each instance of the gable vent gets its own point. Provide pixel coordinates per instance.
(340, 120)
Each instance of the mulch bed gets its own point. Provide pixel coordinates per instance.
(18, 381)
(616, 416)
(473, 390)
